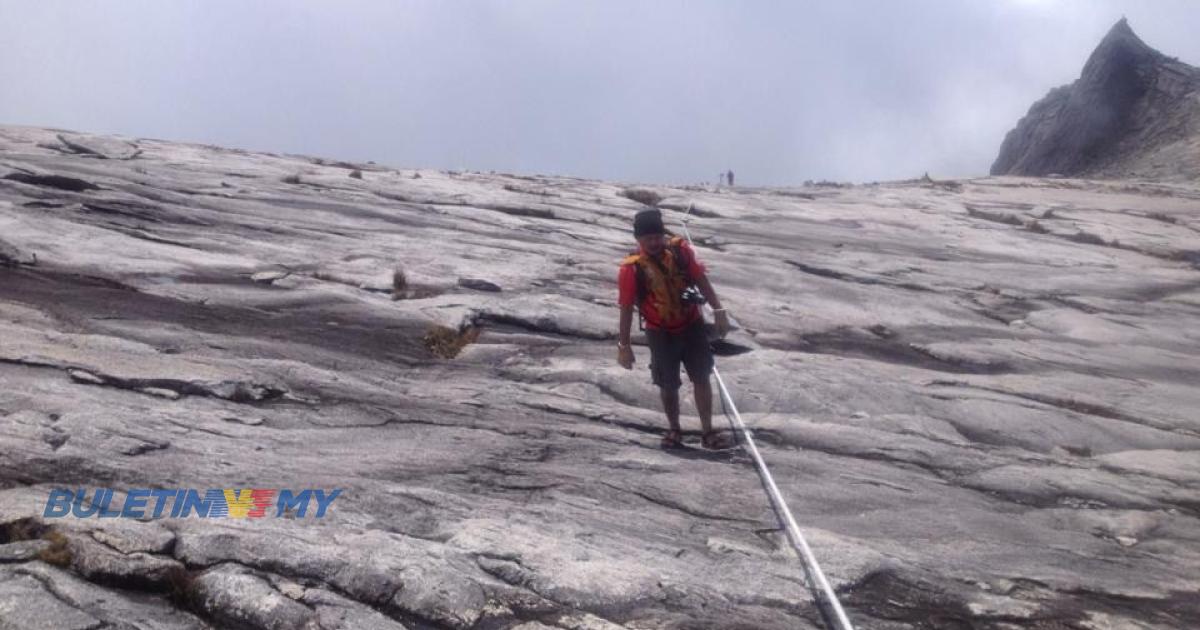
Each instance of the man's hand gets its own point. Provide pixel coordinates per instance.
(625, 356)
(721, 319)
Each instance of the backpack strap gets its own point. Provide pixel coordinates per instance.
(634, 258)
(639, 275)
(640, 280)
(681, 265)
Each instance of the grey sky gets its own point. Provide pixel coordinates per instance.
(656, 91)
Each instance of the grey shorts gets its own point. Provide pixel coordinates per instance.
(688, 347)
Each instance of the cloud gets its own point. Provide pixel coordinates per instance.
(667, 91)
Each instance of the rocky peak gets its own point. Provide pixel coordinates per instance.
(1133, 112)
(1119, 60)
(1121, 36)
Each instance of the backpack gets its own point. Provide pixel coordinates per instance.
(689, 293)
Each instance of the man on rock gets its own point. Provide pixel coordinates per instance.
(662, 279)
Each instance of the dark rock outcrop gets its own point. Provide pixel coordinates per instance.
(69, 184)
(99, 147)
(479, 285)
(1133, 112)
(11, 255)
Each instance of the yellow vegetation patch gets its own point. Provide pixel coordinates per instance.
(446, 342)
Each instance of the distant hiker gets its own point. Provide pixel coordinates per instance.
(730, 175)
(720, 180)
(664, 280)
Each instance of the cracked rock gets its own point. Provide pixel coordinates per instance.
(25, 604)
(442, 596)
(22, 551)
(129, 536)
(116, 608)
(338, 613)
(233, 595)
(97, 562)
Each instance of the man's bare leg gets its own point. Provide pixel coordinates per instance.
(704, 402)
(670, 401)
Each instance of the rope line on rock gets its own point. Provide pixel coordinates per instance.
(822, 591)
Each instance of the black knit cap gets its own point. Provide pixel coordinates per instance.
(648, 222)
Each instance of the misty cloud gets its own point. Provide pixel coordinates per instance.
(647, 91)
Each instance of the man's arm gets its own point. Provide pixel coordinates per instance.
(720, 317)
(709, 292)
(626, 293)
(626, 326)
(624, 350)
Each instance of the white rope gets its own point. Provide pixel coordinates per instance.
(811, 567)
